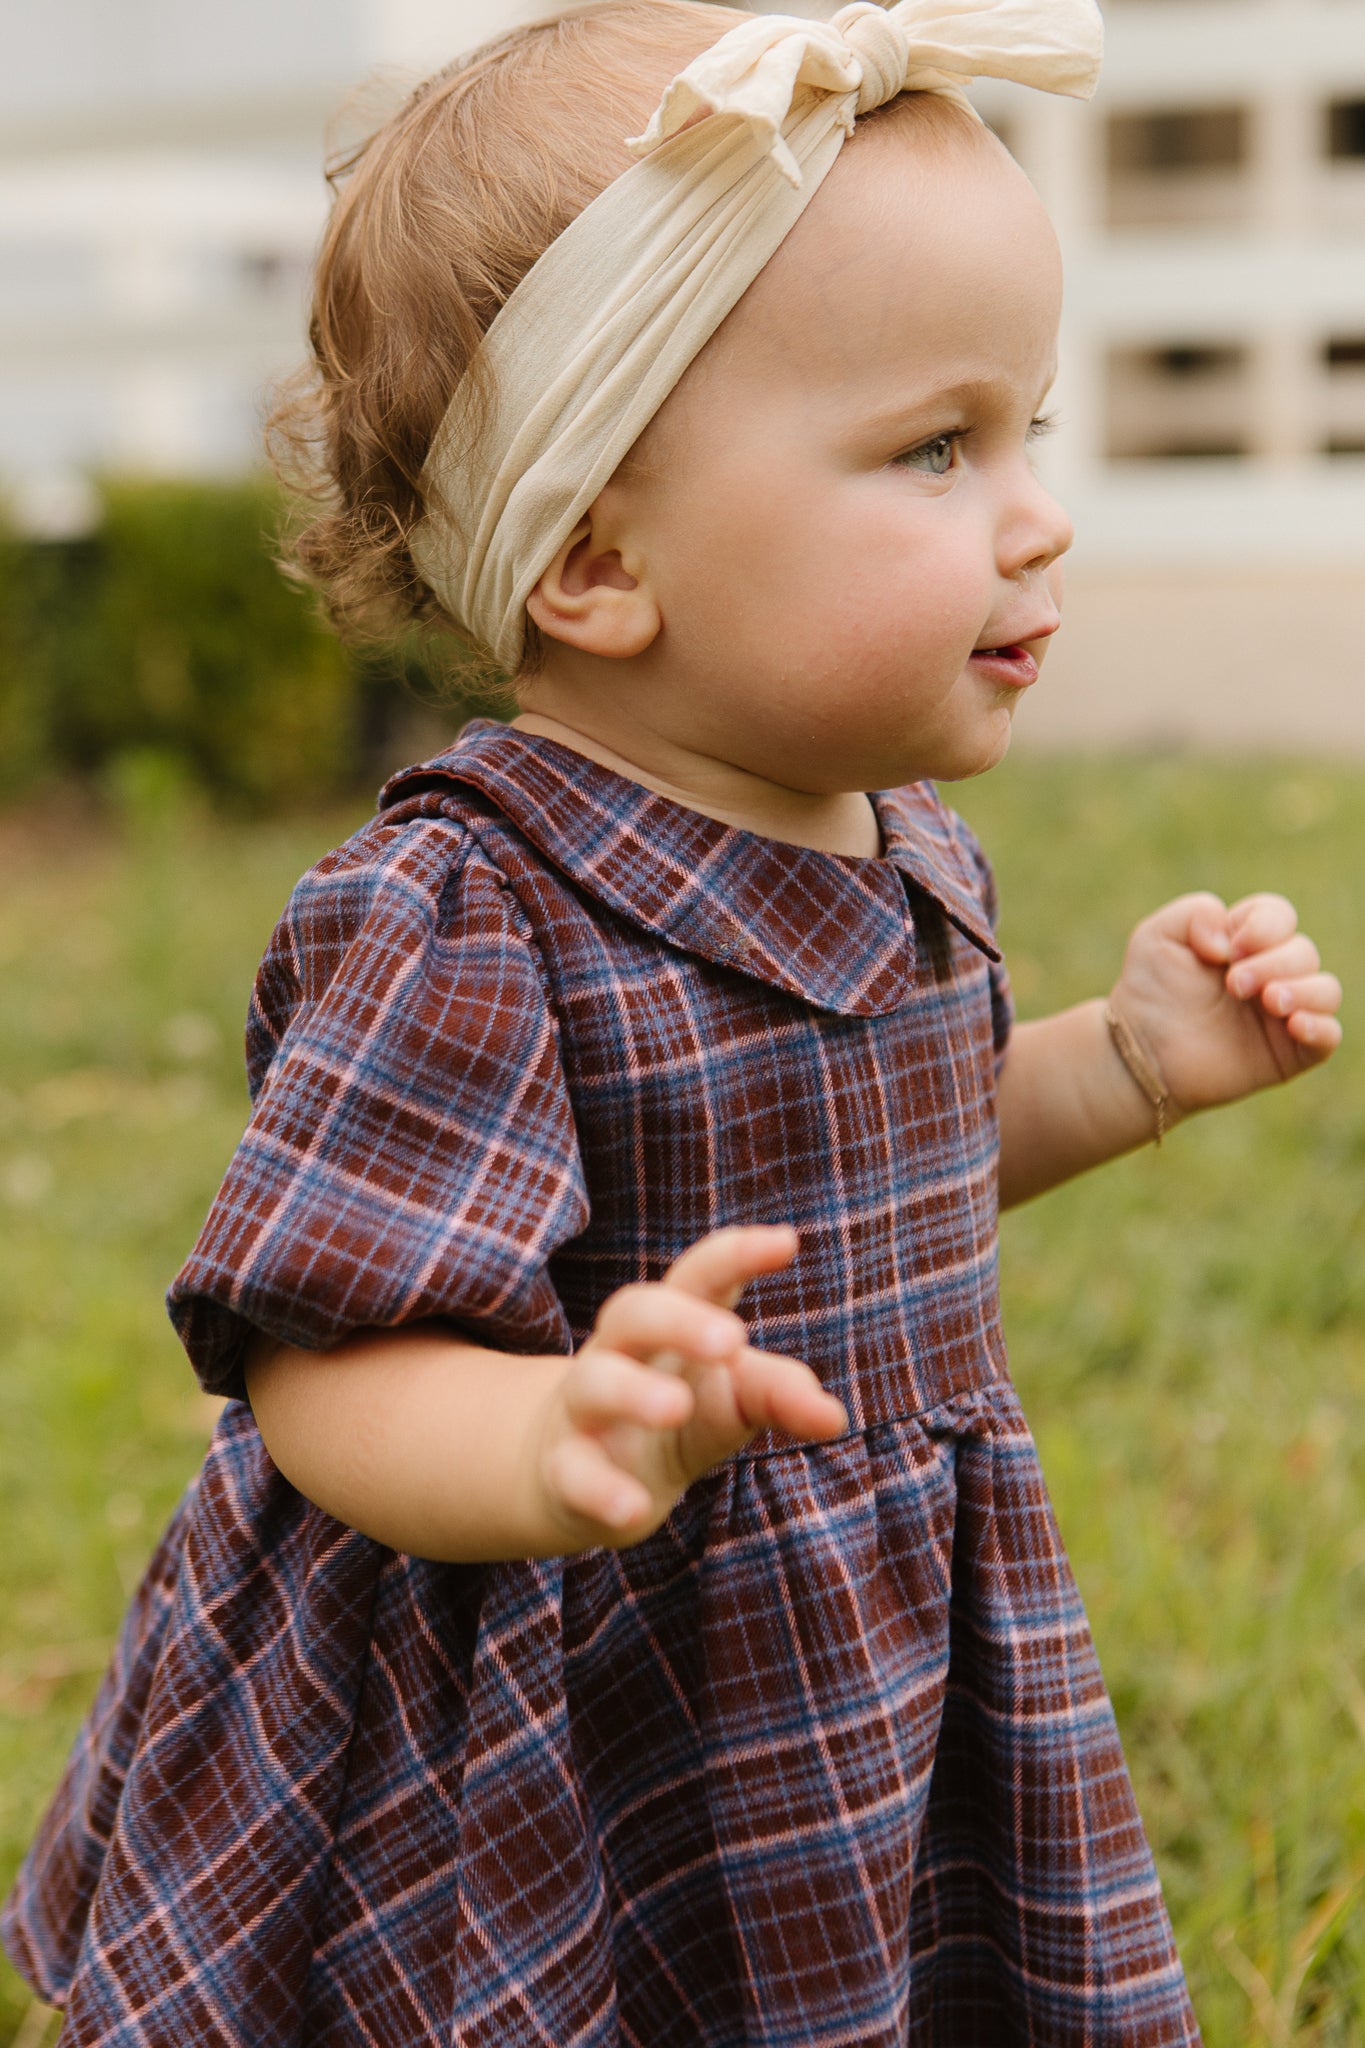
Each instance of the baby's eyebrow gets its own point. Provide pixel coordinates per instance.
(937, 398)
(973, 394)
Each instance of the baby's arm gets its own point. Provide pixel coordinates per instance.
(1220, 1001)
(436, 1447)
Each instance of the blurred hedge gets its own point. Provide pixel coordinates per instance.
(170, 631)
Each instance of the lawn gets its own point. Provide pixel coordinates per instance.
(1188, 1329)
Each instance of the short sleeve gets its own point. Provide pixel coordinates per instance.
(411, 1151)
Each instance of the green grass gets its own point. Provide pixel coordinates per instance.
(1188, 1331)
(1188, 1328)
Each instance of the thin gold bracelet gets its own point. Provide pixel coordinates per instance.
(1140, 1067)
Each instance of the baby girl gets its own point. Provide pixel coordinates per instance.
(621, 1603)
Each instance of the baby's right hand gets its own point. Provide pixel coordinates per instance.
(666, 1387)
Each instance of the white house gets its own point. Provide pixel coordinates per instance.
(1212, 208)
(160, 196)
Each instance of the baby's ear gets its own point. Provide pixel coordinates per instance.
(593, 598)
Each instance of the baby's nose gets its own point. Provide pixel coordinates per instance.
(1039, 534)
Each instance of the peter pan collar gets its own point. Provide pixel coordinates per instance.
(839, 932)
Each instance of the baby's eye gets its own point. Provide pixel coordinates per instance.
(1044, 424)
(931, 458)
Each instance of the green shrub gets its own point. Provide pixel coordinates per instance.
(170, 631)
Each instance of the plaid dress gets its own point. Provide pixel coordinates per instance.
(828, 1758)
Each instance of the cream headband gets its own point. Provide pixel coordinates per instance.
(601, 328)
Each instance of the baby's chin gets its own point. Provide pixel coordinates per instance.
(981, 752)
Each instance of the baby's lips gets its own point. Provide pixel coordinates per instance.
(1038, 633)
(1026, 640)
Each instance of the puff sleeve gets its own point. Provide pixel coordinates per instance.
(411, 1151)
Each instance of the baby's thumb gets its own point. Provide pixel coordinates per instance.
(1208, 931)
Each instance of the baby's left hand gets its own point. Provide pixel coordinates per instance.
(1226, 1001)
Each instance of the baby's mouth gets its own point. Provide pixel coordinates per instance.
(1013, 664)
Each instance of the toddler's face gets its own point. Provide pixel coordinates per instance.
(837, 505)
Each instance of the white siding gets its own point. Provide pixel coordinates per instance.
(160, 194)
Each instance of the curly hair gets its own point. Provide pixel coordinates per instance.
(435, 219)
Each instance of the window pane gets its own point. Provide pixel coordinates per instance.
(1178, 140)
(1346, 129)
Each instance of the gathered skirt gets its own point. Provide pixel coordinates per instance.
(826, 1760)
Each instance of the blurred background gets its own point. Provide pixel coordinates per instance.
(160, 199)
(180, 737)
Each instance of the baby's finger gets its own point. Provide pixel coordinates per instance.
(1205, 920)
(1318, 993)
(650, 1318)
(604, 1387)
(1294, 958)
(1317, 1034)
(782, 1393)
(585, 1482)
(1257, 922)
(720, 1267)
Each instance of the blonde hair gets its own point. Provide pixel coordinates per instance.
(435, 220)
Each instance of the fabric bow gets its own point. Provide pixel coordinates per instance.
(756, 71)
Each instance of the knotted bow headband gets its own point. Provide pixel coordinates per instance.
(602, 327)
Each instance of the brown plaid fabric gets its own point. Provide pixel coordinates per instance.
(828, 1759)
